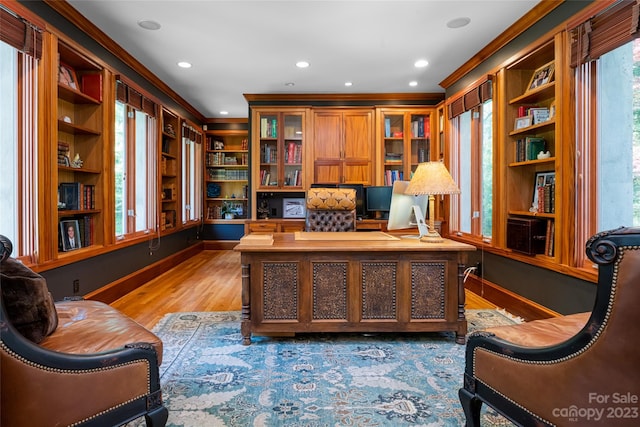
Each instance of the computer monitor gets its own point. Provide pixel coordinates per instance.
(360, 211)
(379, 200)
(407, 210)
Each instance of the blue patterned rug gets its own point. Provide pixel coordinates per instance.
(210, 379)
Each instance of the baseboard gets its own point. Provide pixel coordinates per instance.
(114, 290)
(510, 301)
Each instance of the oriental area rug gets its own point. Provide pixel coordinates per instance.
(210, 379)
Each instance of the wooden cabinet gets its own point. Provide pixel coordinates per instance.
(170, 171)
(226, 175)
(278, 150)
(343, 146)
(532, 150)
(404, 140)
(80, 160)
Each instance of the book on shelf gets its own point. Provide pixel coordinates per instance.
(91, 85)
(76, 196)
(523, 110)
(529, 147)
(387, 127)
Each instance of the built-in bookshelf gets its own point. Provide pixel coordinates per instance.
(405, 141)
(79, 149)
(531, 149)
(169, 171)
(226, 176)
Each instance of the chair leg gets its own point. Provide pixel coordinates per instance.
(157, 417)
(471, 406)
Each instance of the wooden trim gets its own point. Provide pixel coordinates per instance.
(518, 305)
(73, 16)
(520, 26)
(309, 97)
(114, 290)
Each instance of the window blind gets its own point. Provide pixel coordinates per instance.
(471, 99)
(20, 33)
(128, 95)
(604, 32)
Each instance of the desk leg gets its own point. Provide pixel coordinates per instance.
(245, 327)
(461, 333)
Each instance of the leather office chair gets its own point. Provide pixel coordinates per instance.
(331, 209)
(579, 369)
(79, 363)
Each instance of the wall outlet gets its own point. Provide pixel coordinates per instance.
(76, 286)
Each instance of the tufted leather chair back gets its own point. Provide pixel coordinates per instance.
(331, 209)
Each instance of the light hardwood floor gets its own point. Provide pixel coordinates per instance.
(208, 281)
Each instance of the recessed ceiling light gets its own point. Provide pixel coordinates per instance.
(348, 84)
(290, 84)
(148, 24)
(458, 22)
(302, 64)
(421, 63)
(413, 83)
(224, 113)
(184, 64)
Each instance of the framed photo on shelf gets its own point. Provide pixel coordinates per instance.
(523, 122)
(542, 179)
(542, 76)
(540, 115)
(67, 76)
(70, 232)
(293, 208)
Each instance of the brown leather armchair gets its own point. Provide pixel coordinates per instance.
(577, 370)
(331, 209)
(92, 366)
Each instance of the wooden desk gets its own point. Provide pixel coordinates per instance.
(351, 282)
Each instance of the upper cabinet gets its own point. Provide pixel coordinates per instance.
(343, 146)
(279, 144)
(532, 150)
(80, 161)
(170, 167)
(404, 139)
(226, 175)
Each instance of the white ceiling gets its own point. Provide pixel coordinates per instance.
(243, 46)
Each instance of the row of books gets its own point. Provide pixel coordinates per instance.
(265, 179)
(293, 178)
(221, 159)
(76, 196)
(529, 147)
(392, 175)
(63, 153)
(168, 166)
(269, 154)
(420, 127)
(227, 174)
(546, 198)
(167, 219)
(268, 128)
(293, 153)
(549, 237)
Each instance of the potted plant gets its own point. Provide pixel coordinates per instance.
(226, 211)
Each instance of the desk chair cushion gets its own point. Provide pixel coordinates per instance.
(334, 199)
(27, 300)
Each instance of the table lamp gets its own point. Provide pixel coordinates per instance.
(432, 178)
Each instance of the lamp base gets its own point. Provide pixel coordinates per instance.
(432, 237)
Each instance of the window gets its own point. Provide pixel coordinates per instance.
(472, 162)
(191, 174)
(20, 47)
(135, 160)
(607, 87)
